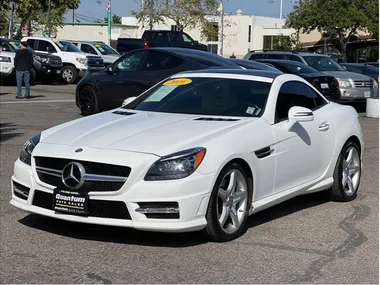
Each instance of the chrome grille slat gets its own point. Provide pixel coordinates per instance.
(363, 84)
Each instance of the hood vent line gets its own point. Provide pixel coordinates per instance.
(124, 113)
(216, 119)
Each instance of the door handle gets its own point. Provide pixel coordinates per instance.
(324, 126)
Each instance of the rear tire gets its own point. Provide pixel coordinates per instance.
(229, 204)
(69, 74)
(347, 174)
(88, 103)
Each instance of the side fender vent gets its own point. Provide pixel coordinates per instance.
(124, 113)
(264, 152)
(216, 119)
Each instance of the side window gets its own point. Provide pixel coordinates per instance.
(256, 56)
(5, 46)
(160, 61)
(31, 43)
(132, 62)
(294, 58)
(275, 56)
(75, 44)
(88, 49)
(319, 101)
(186, 38)
(293, 93)
(45, 46)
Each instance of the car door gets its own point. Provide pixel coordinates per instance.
(303, 153)
(124, 79)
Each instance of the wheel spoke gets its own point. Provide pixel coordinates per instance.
(232, 183)
(350, 184)
(234, 218)
(223, 194)
(223, 216)
(344, 179)
(353, 170)
(349, 157)
(239, 197)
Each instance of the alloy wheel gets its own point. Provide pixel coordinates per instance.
(351, 171)
(67, 75)
(232, 202)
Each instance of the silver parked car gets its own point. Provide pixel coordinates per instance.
(108, 54)
(353, 86)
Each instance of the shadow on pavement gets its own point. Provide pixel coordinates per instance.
(7, 131)
(131, 236)
(2, 94)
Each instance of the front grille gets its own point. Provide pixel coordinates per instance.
(57, 165)
(95, 62)
(363, 84)
(56, 61)
(96, 208)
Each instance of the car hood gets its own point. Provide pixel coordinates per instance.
(8, 53)
(144, 132)
(347, 75)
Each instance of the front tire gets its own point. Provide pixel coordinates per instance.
(229, 204)
(69, 74)
(347, 174)
(88, 103)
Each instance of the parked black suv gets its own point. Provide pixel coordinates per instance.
(46, 67)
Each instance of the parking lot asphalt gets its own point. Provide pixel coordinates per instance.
(304, 240)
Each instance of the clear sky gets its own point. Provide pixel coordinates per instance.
(91, 10)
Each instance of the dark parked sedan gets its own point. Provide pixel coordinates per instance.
(137, 71)
(250, 64)
(363, 68)
(326, 84)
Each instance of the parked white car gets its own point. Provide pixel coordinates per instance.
(7, 65)
(202, 150)
(75, 63)
(101, 49)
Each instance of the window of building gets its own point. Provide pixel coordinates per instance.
(249, 33)
(174, 27)
(270, 41)
(213, 48)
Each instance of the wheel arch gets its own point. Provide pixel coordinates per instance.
(356, 140)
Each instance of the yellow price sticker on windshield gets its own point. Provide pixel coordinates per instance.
(12, 43)
(178, 82)
(97, 45)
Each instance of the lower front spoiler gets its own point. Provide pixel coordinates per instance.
(152, 225)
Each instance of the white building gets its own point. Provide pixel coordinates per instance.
(241, 32)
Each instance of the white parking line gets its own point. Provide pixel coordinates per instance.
(26, 101)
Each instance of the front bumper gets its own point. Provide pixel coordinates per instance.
(191, 193)
(7, 70)
(356, 94)
(49, 70)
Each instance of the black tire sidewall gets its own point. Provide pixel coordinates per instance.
(213, 229)
(94, 108)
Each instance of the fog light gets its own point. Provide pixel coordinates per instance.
(20, 191)
(159, 210)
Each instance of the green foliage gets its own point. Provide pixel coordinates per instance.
(338, 18)
(114, 20)
(36, 11)
(184, 13)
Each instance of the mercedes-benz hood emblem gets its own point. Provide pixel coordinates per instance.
(72, 175)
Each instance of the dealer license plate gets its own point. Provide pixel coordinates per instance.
(367, 94)
(324, 86)
(70, 202)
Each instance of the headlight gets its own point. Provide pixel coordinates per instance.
(344, 83)
(42, 59)
(177, 165)
(81, 60)
(27, 149)
(5, 59)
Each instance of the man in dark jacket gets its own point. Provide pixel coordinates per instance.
(23, 64)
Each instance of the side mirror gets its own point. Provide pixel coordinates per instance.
(127, 101)
(109, 69)
(299, 114)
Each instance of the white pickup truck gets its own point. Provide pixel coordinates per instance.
(75, 62)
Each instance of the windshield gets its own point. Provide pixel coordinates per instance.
(11, 46)
(295, 68)
(323, 63)
(66, 46)
(206, 96)
(104, 49)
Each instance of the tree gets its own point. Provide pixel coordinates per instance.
(184, 13)
(337, 18)
(114, 20)
(37, 11)
(288, 43)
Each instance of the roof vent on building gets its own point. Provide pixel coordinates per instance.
(239, 12)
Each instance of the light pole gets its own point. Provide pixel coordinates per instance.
(221, 42)
(49, 19)
(109, 21)
(10, 30)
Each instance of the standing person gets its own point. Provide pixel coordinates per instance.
(23, 64)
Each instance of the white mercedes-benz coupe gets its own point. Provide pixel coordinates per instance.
(201, 150)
